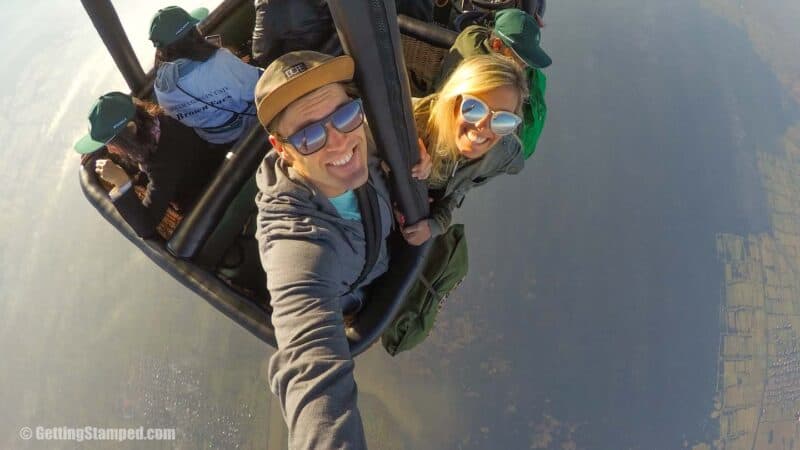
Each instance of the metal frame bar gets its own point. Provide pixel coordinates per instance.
(106, 21)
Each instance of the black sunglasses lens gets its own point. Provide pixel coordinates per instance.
(348, 117)
(313, 137)
(309, 139)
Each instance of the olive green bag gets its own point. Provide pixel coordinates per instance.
(444, 270)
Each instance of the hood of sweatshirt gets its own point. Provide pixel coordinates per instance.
(283, 191)
(290, 207)
(170, 72)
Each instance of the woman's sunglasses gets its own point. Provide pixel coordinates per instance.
(311, 138)
(473, 110)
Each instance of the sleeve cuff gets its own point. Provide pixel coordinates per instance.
(436, 229)
(118, 192)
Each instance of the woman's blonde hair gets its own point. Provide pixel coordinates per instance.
(436, 114)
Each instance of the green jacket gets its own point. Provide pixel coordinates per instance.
(471, 42)
(534, 111)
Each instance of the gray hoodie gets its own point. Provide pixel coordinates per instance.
(311, 256)
(504, 157)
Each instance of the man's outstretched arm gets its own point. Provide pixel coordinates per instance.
(312, 370)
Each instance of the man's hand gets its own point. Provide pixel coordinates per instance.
(418, 233)
(422, 169)
(111, 172)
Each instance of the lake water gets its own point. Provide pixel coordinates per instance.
(595, 313)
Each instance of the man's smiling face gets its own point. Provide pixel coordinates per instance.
(341, 164)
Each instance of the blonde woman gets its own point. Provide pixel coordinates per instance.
(468, 129)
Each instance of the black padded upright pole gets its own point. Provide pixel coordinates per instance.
(369, 33)
(108, 26)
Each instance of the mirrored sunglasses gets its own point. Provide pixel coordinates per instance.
(473, 110)
(313, 137)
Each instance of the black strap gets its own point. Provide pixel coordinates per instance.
(215, 106)
(371, 219)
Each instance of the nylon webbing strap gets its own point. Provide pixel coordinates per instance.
(371, 219)
(429, 288)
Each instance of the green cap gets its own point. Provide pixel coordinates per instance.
(519, 31)
(108, 117)
(172, 23)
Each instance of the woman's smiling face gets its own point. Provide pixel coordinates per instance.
(474, 140)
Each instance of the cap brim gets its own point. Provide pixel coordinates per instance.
(199, 14)
(88, 145)
(336, 70)
(536, 58)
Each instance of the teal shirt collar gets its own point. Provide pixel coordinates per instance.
(347, 205)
